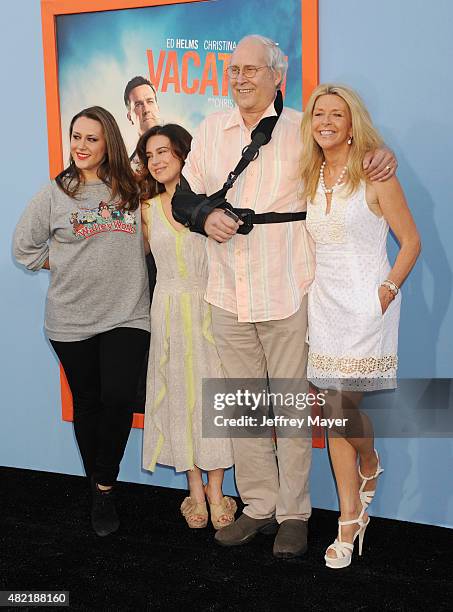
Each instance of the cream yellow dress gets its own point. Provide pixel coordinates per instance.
(182, 352)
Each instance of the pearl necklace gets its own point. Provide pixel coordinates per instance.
(337, 183)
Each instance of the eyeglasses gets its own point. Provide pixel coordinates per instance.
(248, 71)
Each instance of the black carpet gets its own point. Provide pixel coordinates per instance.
(155, 562)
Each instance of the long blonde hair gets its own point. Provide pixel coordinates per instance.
(365, 138)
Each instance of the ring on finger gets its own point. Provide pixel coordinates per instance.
(388, 168)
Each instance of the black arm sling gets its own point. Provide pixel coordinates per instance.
(192, 209)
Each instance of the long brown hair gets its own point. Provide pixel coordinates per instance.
(180, 141)
(115, 170)
(365, 138)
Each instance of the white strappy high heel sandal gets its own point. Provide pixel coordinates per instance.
(366, 497)
(344, 550)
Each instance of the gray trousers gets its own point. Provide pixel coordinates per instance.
(269, 482)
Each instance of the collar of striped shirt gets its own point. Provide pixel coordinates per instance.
(236, 118)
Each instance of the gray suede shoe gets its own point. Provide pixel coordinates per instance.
(291, 539)
(244, 529)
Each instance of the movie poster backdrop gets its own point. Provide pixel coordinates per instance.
(93, 48)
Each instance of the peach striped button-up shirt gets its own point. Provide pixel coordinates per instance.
(264, 275)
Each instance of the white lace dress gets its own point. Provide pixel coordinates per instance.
(352, 346)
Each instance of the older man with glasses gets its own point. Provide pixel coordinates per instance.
(258, 284)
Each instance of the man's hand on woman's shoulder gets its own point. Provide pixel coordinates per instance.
(380, 165)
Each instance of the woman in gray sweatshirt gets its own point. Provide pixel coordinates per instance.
(85, 228)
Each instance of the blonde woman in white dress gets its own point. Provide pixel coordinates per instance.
(182, 350)
(354, 301)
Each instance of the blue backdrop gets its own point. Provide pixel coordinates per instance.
(400, 61)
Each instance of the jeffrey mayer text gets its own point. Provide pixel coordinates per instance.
(278, 421)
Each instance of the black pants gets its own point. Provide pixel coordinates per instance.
(141, 390)
(103, 374)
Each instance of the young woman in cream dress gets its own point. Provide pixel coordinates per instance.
(182, 350)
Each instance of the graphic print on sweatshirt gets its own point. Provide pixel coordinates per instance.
(104, 218)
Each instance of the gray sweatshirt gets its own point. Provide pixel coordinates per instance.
(98, 277)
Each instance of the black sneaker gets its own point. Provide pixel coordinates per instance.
(104, 518)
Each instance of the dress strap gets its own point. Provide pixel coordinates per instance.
(148, 209)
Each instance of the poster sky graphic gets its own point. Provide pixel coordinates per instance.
(190, 44)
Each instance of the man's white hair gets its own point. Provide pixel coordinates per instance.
(275, 56)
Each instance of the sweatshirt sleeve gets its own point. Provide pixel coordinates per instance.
(30, 242)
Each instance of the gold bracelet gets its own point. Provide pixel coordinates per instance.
(391, 286)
